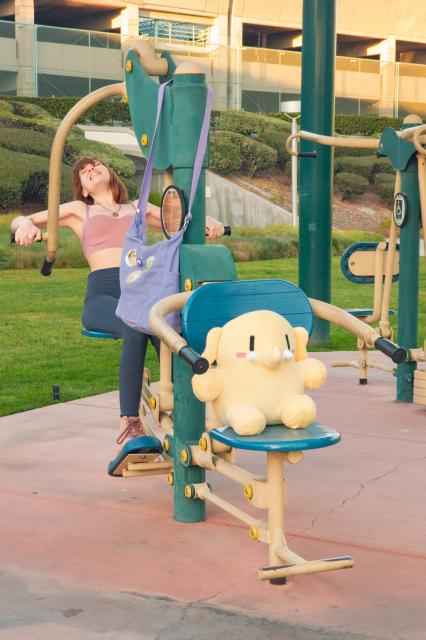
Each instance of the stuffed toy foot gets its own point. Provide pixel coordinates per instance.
(298, 411)
(245, 420)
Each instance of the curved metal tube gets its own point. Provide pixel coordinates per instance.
(361, 143)
(416, 139)
(55, 169)
(161, 327)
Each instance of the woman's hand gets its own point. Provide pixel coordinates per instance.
(27, 233)
(214, 228)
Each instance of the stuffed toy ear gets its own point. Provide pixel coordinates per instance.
(212, 341)
(302, 337)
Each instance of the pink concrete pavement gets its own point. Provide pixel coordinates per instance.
(65, 523)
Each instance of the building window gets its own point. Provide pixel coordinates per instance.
(185, 32)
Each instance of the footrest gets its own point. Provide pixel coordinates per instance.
(303, 568)
(94, 333)
(362, 313)
(139, 450)
(277, 437)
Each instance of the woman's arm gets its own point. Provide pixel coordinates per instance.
(27, 228)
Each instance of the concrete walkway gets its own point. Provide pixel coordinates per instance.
(87, 556)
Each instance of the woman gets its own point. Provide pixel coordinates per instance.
(100, 216)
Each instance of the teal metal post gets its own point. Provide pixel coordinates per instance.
(189, 93)
(408, 293)
(316, 175)
(403, 156)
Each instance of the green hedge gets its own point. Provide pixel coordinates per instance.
(26, 141)
(25, 177)
(385, 187)
(367, 166)
(248, 123)
(105, 112)
(255, 156)
(282, 241)
(224, 156)
(350, 184)
(358, 125)
(77, 147)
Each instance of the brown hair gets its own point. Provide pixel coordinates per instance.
(118, 189)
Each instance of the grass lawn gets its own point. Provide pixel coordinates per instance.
(41, 343)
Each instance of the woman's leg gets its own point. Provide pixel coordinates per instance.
(99, 313)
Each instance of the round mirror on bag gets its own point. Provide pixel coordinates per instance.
(172, 210)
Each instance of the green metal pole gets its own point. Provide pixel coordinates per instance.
(316, 175)
(408, 293)
(189, 96)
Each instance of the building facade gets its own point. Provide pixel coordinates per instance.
(250, 51)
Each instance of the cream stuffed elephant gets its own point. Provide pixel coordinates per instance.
(259, 372)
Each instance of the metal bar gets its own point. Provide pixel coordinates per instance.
(316, 176)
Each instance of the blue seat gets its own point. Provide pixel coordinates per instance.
(214, 304)
(276, 437)
(94, 333)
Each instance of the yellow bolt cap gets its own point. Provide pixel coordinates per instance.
(188, 491)
(170, 479)
(254, 533)
(129, 66)
(184, 455)
(166, 444)
(125, 99)
(203, 443)
(248, 491)
(152, 402)
(188, 285)
(144, 140)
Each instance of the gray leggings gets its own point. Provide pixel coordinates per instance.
(103, 292)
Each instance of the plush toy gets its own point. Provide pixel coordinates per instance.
(258, 374)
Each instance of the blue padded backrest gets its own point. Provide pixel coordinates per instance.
(215, 303)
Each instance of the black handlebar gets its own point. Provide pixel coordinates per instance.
(46, 267)
(307, 154)
(197, 363)
(227, 230)
(393, 351)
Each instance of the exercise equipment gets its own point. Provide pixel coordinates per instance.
(407, 153)
(210, 296)
(365, 263)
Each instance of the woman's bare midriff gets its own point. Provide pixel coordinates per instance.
(105, 259)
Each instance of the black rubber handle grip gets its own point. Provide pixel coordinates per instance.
(197, 363)
(307, 154)
(46, 267)
(226, 230)
(13, 241)
(393, 351)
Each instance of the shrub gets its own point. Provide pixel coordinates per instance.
(350, 184)
(361, 166)
(105, 112)
(366, 166)
(255, 155)
(357, 125)
(25, 177)
(242, 122)
(224, 155)
(276, 140)
(26, 141)
(77, 147)
(385, 187)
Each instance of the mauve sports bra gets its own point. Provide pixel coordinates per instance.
(104, 232)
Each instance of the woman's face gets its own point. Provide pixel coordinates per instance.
(92, 175)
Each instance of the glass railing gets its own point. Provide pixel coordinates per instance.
(61, 61)
(183, 32)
